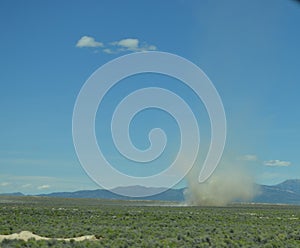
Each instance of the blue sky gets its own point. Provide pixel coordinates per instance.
(249, 50)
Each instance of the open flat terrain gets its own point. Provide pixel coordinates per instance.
(60, 222)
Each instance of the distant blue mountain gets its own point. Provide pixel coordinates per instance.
(168, 195)
(12, 194)
(287, 192)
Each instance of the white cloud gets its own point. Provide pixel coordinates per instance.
(249, 157)
(277, 162)
(45, 186)
(35, 184)
(128, 44)
(4, 184)
(109, 51)
(133, 45)
(27, 185)
(88, 41)
(149, 48)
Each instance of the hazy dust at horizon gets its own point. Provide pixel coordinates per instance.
(230, 184)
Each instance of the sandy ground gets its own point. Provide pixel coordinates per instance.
(25, 235)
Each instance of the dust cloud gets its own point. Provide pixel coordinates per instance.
(227, 185)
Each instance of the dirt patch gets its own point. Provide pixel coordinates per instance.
(25, 235)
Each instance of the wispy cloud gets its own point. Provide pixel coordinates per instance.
(133, 45)
(277, 163)
(4, 184)
(123, 45)
(88, 41)
(129, 44)
(27, 185)
(108, 50)
(36, 184)
(45, 186)
(248, 157)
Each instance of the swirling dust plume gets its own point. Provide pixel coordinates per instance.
(229, 183)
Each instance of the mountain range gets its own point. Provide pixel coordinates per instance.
(287, 192)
